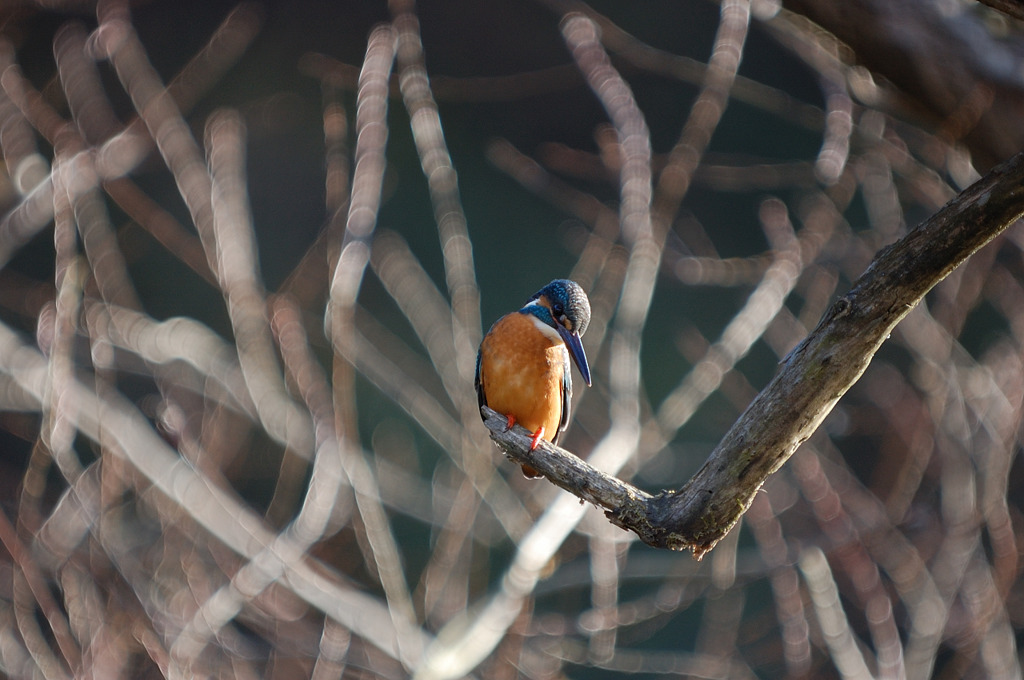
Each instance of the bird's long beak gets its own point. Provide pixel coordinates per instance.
(575, 345)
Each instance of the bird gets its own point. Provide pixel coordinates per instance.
(522, 368)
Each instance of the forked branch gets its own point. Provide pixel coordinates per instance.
(808, 384)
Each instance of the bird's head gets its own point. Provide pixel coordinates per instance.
(564, 306)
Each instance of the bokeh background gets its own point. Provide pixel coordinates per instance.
(210, 471)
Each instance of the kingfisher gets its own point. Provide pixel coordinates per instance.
(522, 369)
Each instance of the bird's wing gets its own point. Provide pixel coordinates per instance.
(480, 397)
(566, 394)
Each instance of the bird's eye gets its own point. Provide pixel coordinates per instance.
(558, 311)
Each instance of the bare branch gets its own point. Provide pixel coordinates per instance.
(812, 379)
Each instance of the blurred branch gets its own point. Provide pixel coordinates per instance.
(1013, 8)
(122, 152)
(946, 67)
(812, 379)
(442, 181)
(744, 330)
(129, 437)
(835, 624)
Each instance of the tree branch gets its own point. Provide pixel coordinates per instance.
(809, 383)
(1013, 8)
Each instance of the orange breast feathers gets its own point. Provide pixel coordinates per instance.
(522, 371)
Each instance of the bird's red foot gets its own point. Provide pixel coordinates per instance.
(511, 422)
(528, 471)
(536, 437)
